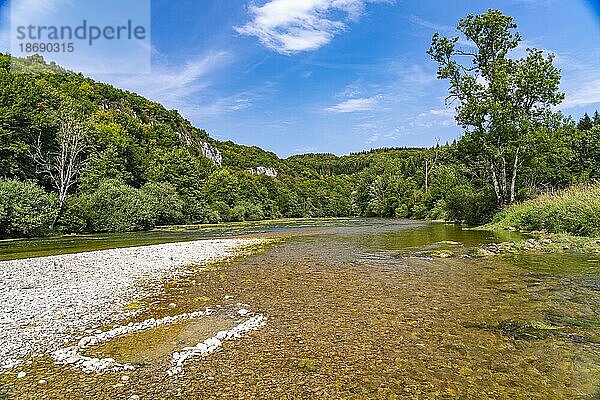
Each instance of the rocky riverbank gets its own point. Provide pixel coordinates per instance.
(544, 243)
(49, 301)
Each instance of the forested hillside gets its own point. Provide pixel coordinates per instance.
(81, 156)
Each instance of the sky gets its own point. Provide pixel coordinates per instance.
(334, 76)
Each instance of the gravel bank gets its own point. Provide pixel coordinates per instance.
(47, 302)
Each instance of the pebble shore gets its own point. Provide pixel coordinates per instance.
(48, 302)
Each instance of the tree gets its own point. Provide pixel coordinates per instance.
(63, 163)
(500, 99)
(585, 123)
(596, 119)
(430, 163)
(25, 209)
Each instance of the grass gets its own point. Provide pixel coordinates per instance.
(574, 211)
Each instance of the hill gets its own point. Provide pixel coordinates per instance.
(77, 155)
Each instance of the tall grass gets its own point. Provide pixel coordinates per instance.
(575, 211)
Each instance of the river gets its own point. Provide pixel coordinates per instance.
(356, 309)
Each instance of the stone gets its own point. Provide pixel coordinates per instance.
(125, 378)
(21, 374)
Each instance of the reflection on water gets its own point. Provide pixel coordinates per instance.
(40, 247)
(349, 317)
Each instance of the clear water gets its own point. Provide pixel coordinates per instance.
(355, 312)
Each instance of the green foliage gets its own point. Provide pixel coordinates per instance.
(474, 207)
(146, 165)
(164, 202)
(585, 123)
(501, 100)
(575, 211)
(116, 207)
(25, 209)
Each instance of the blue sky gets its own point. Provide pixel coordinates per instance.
(296, 76)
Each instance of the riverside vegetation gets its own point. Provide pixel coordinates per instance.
(82, 156)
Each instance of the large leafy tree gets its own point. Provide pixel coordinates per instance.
(500, 99)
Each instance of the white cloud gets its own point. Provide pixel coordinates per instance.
(584, 95)
(186, 88)
(172, 86)
(393, 134)
(442, 117)
(430, 25)
(355, 105)
(20, 10)
(291, 26)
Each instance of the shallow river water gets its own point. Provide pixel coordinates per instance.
(356, 309)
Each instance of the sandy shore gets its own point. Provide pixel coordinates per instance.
(46, 302)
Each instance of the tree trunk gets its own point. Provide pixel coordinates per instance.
(497, 188)
(58, 214)
(513, 181)
(503, 183)
(426, 176)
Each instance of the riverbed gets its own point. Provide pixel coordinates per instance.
(357, 309)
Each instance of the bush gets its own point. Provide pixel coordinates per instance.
(116, 207)
(439, 211)
(219, 212)
(25, 209)
(245, 211)
(473, 207)
(164, 202)
(75, 216)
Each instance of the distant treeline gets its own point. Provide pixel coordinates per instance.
(81, 156)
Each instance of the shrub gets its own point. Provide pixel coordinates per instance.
(219, 211)
(25, 209)
(116, 207)
(75, 215)
(473, 207)
(164, 203)
(245, 211)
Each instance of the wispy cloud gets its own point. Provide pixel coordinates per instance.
(172, 86)
(430, 25)
(186, 88)
(583, 95)
(392, 134)
(442, 117)
(291, 26)
(24, 10)
(355, 105)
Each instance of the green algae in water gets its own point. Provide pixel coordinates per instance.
(307, 365)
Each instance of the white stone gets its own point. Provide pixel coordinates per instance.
(86, 290)
(212, 344)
